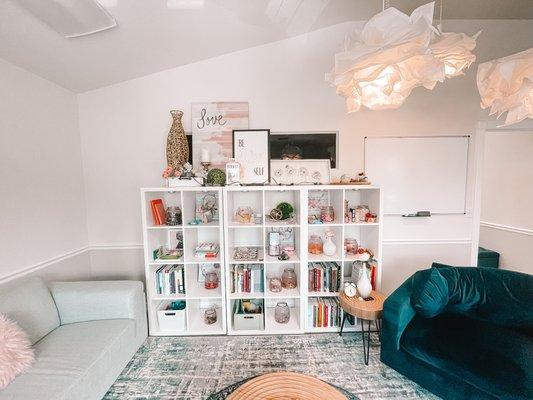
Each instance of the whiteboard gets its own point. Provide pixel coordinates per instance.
(425, 173)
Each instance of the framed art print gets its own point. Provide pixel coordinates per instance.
(251, 151)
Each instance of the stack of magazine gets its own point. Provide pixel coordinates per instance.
(206, 250)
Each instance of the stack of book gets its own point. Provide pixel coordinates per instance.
(206, 250)
(324, 277)
(324, 312)
(170, 279)
(246, 278)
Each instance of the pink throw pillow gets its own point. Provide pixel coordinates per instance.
(16, 353)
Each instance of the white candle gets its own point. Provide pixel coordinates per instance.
(205, 155)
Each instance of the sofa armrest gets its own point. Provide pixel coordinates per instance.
(397, 313)
(90, 301)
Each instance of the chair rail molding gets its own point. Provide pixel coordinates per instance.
(507, 228)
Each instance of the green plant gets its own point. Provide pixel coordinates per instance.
(216, 177)
(286, 209)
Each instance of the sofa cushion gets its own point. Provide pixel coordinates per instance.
(492, 295)
(30, 304)
(495, 359)
(430, 293)
(76, 361)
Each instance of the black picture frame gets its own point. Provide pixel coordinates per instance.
(267, 149)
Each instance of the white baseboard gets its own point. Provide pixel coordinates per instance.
(507, 228)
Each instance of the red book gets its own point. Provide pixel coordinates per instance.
(373, 277)
(158, 211)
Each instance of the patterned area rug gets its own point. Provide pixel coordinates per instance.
(172, 368)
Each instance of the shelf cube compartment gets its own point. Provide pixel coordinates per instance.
(198, 320)
(195, 237)
(246, 280)
(276, 271)
(248, 200)
(319, 198)
(365, 196)
(243, 320)
(337, 239)
(275, 197)
(195, 278)
(292, 326)
(170, 199)
(366, 236)
(171, 321)
(287, 239)
(203, 205)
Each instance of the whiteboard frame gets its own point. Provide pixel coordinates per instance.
(427, 136)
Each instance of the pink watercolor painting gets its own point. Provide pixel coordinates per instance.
(212, 126)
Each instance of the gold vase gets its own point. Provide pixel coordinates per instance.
(177, 146)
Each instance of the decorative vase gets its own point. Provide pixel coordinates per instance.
(329, 246)
(364, 287)
(177, 146)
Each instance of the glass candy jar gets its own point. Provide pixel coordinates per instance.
(360, 213)
(173, 216)
(274, 285)
(282, 312)
(350, 246)
(315, 245)
(210, 316)
(211, 280)
(289, 279)
(327, 214)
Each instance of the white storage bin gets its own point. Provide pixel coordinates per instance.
(172, 320)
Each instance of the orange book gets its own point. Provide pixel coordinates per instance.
(158, 211)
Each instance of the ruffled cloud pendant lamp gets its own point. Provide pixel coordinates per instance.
(506, 86)
(395, 53)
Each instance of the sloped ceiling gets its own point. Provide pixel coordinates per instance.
(156, 35)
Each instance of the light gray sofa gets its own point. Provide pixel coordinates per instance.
(83, 333)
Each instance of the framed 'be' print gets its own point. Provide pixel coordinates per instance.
(251, 150)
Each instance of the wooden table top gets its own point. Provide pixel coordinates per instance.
(286, 386)
(369, 310)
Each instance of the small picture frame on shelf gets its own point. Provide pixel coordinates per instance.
(251, 150)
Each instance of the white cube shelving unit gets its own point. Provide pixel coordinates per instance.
(262, 200)
(231, 234)
(196, 297)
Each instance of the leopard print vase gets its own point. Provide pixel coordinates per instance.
(177, 146)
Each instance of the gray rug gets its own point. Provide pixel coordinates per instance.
(171, 368)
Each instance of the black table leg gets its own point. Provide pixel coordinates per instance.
(343, 320)
(366, 341)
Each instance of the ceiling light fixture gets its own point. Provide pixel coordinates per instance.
(71, 18)
(506, 86)
(395, 53)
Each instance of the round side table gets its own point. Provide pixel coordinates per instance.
(365, 310)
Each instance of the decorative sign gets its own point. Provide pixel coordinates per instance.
(251, 151)
(300, 172)
(212, 127)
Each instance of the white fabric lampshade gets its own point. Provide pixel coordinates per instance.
(506, 86)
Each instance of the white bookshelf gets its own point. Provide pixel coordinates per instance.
(196, 297)
(262, 200)
(231, 234)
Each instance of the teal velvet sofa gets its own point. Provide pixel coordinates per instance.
(83, 334)
(462, 332)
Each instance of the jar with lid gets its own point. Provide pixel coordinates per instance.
(315, 245)
(173, 216)
(274, 285)
(350, 246)
(211, 280)
(327, 214)
(210, 316)
(360, 213)
(289, 280)
(282, 312)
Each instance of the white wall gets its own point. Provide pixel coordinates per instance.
(123, 129)
(507, 193)
(42, 201)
